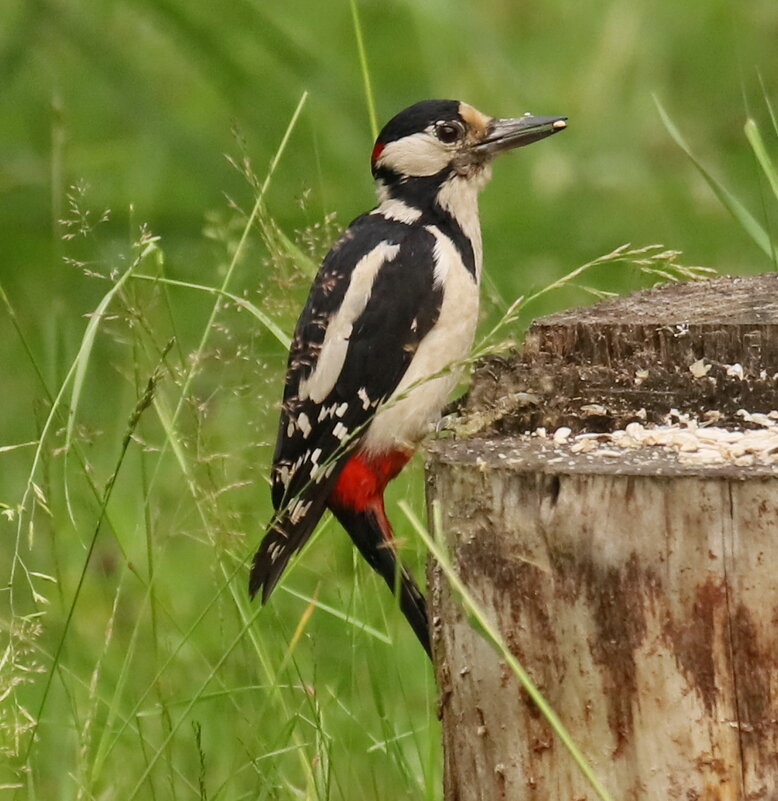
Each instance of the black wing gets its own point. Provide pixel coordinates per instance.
(316, 434)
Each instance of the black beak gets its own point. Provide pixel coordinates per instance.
(517, 132)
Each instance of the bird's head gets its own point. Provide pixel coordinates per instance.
(435, 140)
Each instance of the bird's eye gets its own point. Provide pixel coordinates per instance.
(448, 132)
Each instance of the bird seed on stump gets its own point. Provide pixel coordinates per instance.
(613, 507)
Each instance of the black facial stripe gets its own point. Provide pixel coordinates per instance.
(421, 193)
(453, 230)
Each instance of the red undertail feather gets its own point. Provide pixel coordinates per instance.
(358, 502)
(363, 479)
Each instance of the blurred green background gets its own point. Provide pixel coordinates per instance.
(164, 687)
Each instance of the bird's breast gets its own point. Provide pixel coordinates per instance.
(416, 403)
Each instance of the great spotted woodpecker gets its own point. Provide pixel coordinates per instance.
(373, 359)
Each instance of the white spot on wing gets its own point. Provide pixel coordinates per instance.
(364, 397)
(275, 550)
(298, 511)
(341, 410)
(325, 412)
(340, 431)
(304, 424)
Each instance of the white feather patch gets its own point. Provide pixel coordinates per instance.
(298, 511)
(340, 431)
(418, 154)
(304, 424)
(325, 412)
(283, 475)
(276, 550)
(364, 397)
(394, 209)
(320, 382)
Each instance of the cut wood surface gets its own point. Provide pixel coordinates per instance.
(636, 582)
(702, 347)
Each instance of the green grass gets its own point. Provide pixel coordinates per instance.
(133, 655)
(149, 286)
(144, 668)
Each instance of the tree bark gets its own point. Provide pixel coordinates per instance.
(638, 585)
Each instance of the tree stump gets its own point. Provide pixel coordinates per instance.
(613, 507)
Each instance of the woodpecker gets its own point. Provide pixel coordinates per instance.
(391, 312)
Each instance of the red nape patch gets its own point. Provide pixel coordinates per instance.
(377, 150)
(364, 478)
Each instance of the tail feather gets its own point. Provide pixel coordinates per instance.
(280, 544)
(370, 531)
(269, 562)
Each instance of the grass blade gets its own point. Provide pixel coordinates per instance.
(268, 322)
(760, 151)
(727, 199)
(143, 403)
(365, 71)
(237, 256)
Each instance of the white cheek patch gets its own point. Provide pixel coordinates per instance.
(417, 154)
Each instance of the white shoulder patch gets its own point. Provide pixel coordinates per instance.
(394, 209)
(320, 382)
